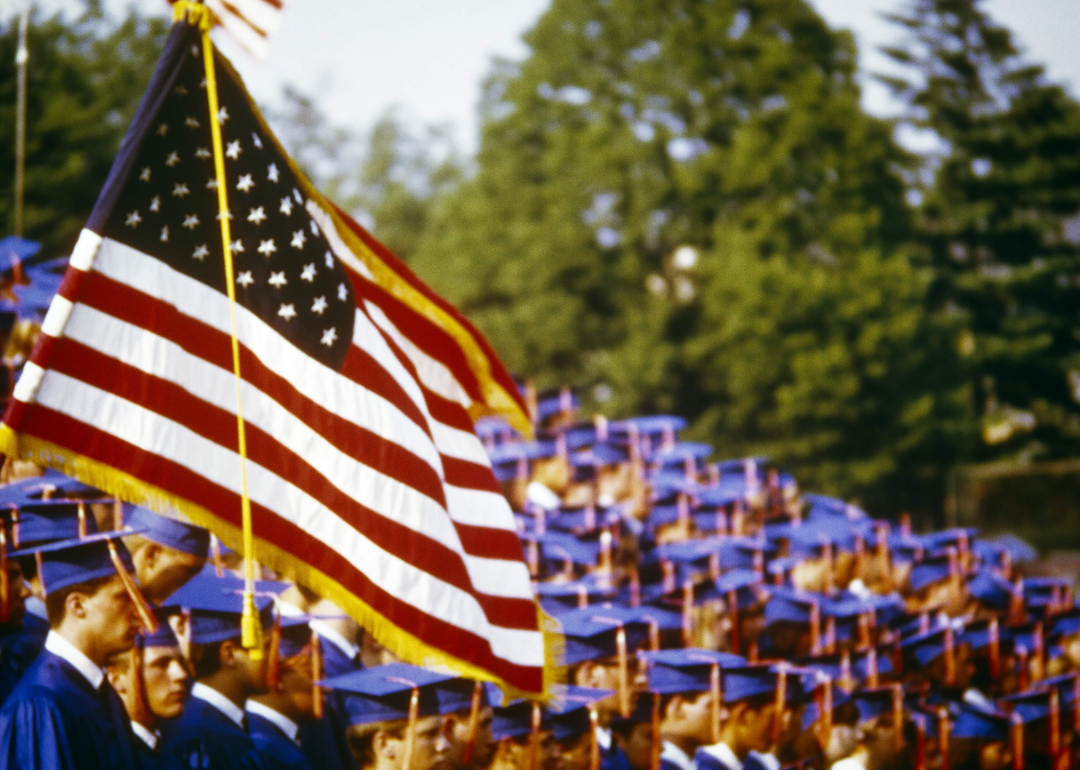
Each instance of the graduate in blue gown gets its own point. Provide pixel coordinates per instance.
(274, 718)
(212, 732)
(151, 680)
(63, 713)
(323, 740)
(572, 721)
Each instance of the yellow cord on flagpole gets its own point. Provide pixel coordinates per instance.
(199, 15)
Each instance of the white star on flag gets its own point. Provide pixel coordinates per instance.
(191, 122)
(329, 336)
(173, 159)
(257, 215)
(245, 279)
(272, 172)
(202, 152)
(319, 306)
(309, 273)
(165, 234)
(245, 183)
(181, 190)
(286, 206)
(237, 246)
(342, 292)
(330, 260)
(222, 115)
(155, 204)
(144, 175)
(267, 247)
(297, 239)
(191, 221)
(287, 312)
(163, 129)
(233, 150)
(201, 253)
(277, 280)
(133, 219)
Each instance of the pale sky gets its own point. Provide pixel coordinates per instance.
(359, 58)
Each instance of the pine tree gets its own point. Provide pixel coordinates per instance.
(680, 204)
(998, 219)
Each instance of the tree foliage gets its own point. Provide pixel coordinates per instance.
(85, 78)
(793, 324)
(999, 219)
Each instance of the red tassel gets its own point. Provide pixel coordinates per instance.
(5, 589)
(594, 746)
(142, 608)
(943, 737)
(781, 699)
(273, 666)
(717, 701)
(474, 722)
(316, 674)
(733, 613)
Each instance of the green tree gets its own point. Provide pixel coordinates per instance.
(998, 219)
(681, 203)
(85, 78)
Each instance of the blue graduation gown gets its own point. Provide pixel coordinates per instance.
(613, 759)
(54, 720)
(323, 742)
(706, 761)
(19, 650)
(149, 759)
(204, 738)
(270, 740)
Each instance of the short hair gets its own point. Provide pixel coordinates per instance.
(206, 658)
(56, 601)
(135, 543)
(362, 737)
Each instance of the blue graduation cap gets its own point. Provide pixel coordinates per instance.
(1066, 624)
(811, 537)
(976, 723)
(991, 589)
(868, 664)
(793, 605)
(69, 562)
(561, 597)
(729, 490)
(687, 670)
(755, 681)
(215, 610)
(812, 710)
(1020, 552)
(653, 425)
(933, 569)
(32, 302)
(887, 607)
(178, 535)
(564, 547)
(518, 719)
(582, 519)
(876, 702)
(747, 585)
(929, 646)
(843, 612)
(683, 452)
(959, 537)
(592, 633)
(50, 520)
(163, 636)
(744, 552)
(1032, 706)
(14, 250)
(571, 710)
(560, 401)
(982, 634)
(599, 455)
(383, 693)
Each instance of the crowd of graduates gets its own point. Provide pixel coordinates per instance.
(707, 615)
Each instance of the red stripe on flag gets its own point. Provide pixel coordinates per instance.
(176, 479)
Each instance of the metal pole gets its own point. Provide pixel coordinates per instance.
(21, 56)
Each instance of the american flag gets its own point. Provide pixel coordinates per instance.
(250, 22)
(367, 480)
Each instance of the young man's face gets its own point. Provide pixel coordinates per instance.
(18, 593)
(757, 724)
(576, 752)
(689, 717)
(429, 748)
(110, 616)
(165, 678)
(637, 745)
(456, 728)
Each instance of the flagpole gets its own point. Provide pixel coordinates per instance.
(21, 56)
(201, 16)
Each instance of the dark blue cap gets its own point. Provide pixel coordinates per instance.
(1031, 705)
(1027, 636)
(163, 636)
(811, 538)
(930, 570)
(991, 589)
(748, 586)
(383, 693)
(653, 425)
(592, 634)
(887, 607)
(570, 708)
(861, 662)
(32, 302)
(647, 615)
(70, 562)
(582, 520)
(811, 713)
(561, 401)
(845, 610)
(515, 719)
(600, 454)
(683, 451)
(644, 703)
(928, 646)
(955, 537)
(1066, 624)
(729, 490)
(791, 605)
(757, 680)
(295, 635)
(179, 536)
(981, 634)
(14, 249)
(976, 723)
(874, 702)
(563, 546)
(558, 598)
(687, 670)
(216, 606)
(50, 520)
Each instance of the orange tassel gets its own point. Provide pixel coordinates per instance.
(474, 723)
(1016, 740)
(733, 614)
(781, 698)
(316, 674)
(273, 665)
(594, 748)
(943, 737)
(410, 729)
(717, 701)
(142, 609)
(5, 589)
(898, 716)
(534, 738)
(215, 556)
(654, 755)
(138, 683)
(82, 520)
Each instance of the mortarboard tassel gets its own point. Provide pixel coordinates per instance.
(688, 612)
(1038, 651)
(1054, 739)
(117, 514)
(920, 746)
(943, 737)
(995, 647)
(533, 550)
(1016, 740)
(215, 556)
(667, 570)
(15, 528)
(1076, 703)
(815, 628)
(830, 635)
(905, 525)
(82, 519)
(582, 596)
(566, 400)
(316, 674)
(884, 555)
(138, 682)
(635, 587)
(1005, 565)
(898, 716)
(605, 552)
(713, 474)
(531, 404)
(781, 701)
(733, 613)
(950, 657)
(142, 609)
(654, 634)
(594, 744)
(717, 701)
(683, 507)
(654, 723)
(5, 588)
(865, 621)
(534, 738)
(714, 565)
(474, 723)
(1021, 653)
(273, 665)
(846, 680)
(410, 728)
(601, 424)
(871, 667)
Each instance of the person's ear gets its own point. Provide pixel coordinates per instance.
(583, 676)
(675, 707)
(75, 605)
(446, 728)
(151, 553)
(385, 745)
(117, 680)
(227, 654)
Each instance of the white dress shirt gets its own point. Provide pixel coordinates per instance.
(289, 727)
(58, 645)
(218, 701)
(677, 756)
(148, 737)
(724, 753)
(603, 737)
